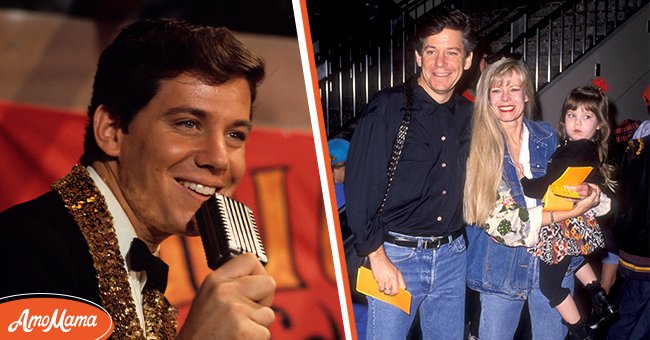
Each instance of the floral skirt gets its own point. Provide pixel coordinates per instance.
(576, 236)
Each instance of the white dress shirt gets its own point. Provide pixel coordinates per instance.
(125, 235)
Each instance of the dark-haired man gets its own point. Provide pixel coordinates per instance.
(416, 242)
(168, 122)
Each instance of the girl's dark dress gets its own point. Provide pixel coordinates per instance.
(576, 236)
(560, 241)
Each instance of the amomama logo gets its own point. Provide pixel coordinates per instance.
(52, 316)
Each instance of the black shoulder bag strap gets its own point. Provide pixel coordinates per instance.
(352, 259)
(398, 144)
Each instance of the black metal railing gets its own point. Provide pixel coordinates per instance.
(353, 69)
(555, 41)
(549, 35)
(356, 67)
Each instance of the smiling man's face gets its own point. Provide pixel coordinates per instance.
(443, 61)
(188, 142)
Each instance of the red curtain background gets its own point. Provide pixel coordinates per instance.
(39, 145)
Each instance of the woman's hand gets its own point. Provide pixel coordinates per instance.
(585, 189)
(589, 201)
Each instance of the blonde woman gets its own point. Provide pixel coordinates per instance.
(504, 221)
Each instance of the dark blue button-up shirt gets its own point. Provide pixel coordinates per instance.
(426, 194)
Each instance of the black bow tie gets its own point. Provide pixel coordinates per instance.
(141, 258)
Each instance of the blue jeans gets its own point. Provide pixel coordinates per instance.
(500, 316)
(360, 319)
(436, 281)
(634, 309)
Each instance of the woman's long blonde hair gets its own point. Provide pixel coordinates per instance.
(486, 153)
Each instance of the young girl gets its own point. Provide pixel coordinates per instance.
(584, 133)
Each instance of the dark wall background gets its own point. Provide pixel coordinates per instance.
(251, 16)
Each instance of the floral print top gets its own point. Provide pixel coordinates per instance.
(510, 223)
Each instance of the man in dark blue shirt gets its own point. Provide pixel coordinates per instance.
(416, 242)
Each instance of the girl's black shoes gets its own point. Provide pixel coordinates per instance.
(603, 309)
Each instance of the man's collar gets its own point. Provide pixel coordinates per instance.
(123, 226)
(417, 89)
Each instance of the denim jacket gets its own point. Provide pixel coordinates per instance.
(510, 272)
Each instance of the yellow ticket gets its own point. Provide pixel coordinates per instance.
(367, 285)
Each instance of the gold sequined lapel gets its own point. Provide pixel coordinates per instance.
(89, 210)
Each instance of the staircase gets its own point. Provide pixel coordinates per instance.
(555, 36)
(549, 35)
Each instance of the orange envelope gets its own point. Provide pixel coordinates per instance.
(367, 285)
(556, 194)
